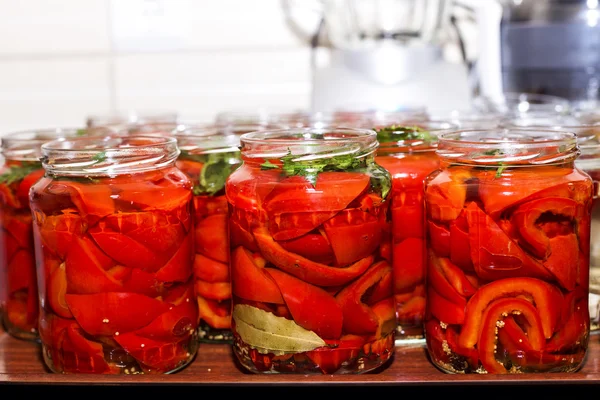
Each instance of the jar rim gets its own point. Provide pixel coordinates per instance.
(545, 136)
(286, 135)
(57, 145)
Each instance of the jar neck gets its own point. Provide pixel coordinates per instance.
(108, 156)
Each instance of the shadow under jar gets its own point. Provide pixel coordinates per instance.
(208, 157)
(508, 238)
(18, 283)
(311, 282)
(114, 240)
(407, 151)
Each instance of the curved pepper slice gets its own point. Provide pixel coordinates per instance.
(110, 312)
(408, 262)
(80, 354)
(439, 238)
(90, 199)
(460, 247)
(26, 184)
(213, 290)
(438, 281)
(538, 218)
(445, 195)
(305, 269)
(210, 270)
(359, 318)
(169, 193)
(155, 356)
(470, 354)
(574, 332)
(496, 312)
(7, 197)
(311, 307)
(216, 314)
(86, 269)
(171, 325)
(20, 227)
(57, 232)
(142, 282)
(21, 272)
(331, 357)
(546, 297)
(56, 291)
(211, 237)
(180, 267)
(457, 278)
(564, 260)
(494, 254)
(443, 309)
(250, 281)
(314, 246)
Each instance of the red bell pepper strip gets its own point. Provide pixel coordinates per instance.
(173, 324)
(211, 237)
(494, 315)
(180, 267)
(445, 195)
(57, 232)
(353, 234)
(11, 246)
(215, 314)
(439, 239)
(110, 312)
(8, 198)
(470, 354)
(20, 227)
(546, 297)
(156, 357)
(209, 205)
(330, 358)
(213, 291)
(210, 270)
(26, 184)
(564, 260)
(81, 355)
(385, 310)
(305, 269)
(250, 281)
(311, 307)
(409, 264)
(443, 309)
(314, 246)
(457, 278)
(575, 331)
(408, 219)
(169, 193)
(438, 281)
(359, 318)
(460, 247)
(494, 254)
(56, 291)
(142, 282)
(20, 271)
(90, 199)
(239, 235)
(435, 337)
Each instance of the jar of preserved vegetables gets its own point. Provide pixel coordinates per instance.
(508, 244)
(311, 283)
(407, 151)
(21, 152)
(114, 239)
(208, 157)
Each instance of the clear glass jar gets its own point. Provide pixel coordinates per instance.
(311, 283)
(208, 157)
(407, 152)
(114, 239)
(134, 118)
(508, 236)
(469, 119)
(21, 168)
(514, 103)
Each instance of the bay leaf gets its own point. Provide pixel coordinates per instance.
(266, 331)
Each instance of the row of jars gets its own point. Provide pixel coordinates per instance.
(311, 250)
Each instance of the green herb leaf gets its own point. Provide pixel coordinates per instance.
(499, 171)
(268, 165)
(396, 133)
(100, 156)
(81, 132)
(18, 172)
(216, 168)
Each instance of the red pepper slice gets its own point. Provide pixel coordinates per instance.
(7, 197)
(438, 281)
(11, 246)
(210, 270)
(498, 194)
(86, 269)
(575, 330)
(494, 254)
(329, 359)
(564, 260)
(547, 298)
(211, 237)
(305, 269)
(20, 227)
(471, 355)
(532, 217)
(457, 278)
(26, 184)
(57, 232)
(250, 281)
(213, 291)
(495, 312)
(408, 264)
(171, 325)
(56, 291)
(110, 312)
(180, 267)
(156, 356)
(312, 205)
(443, 309)
(216, 314)
(142, 282)
(209, 205)
(460, 247)
(445, 195)
(169, 193)
(247, 189)
(311, 307)
(314, 246)
(359, 318)
(435, 337)
(21, 272)
(239, 233)
(439, 239)
(81, 355)
(408, 220)
(353, 234)
(90, 199)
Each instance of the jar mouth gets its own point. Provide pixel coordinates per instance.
(108, 155)
(313, 143)
(207, 140)
(26, 145)
(518, 146)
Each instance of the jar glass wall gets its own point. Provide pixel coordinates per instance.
(114, 240)
(508, 235)
(311, 276)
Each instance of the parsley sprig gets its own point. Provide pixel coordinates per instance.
(16, 173)
(216, 168)
(396, 133)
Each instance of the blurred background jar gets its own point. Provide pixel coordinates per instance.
(407, 151)
(114, 240)
(508, 225)
(131, 119)
(311, 279)
(21, 168)
(587, 130)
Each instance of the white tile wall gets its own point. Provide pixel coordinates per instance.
(62, 60)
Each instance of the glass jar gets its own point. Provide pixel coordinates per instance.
(408, 152)
(514, 103)
(131, 119)
(508, 236)
(114, 239)
(311, 282)
(208, 157)
(18, 284)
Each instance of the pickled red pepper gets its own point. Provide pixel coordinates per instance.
(115, 244)
(311, 282)
(508, 225)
